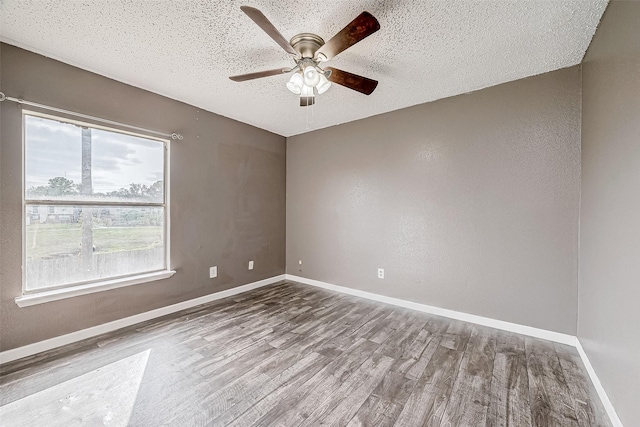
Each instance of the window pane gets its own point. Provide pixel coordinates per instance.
(53, 158)
(120, 241)
(127, 167)
(69, 162)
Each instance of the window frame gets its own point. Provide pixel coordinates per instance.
(52, 293)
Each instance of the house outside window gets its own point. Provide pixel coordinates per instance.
(95, 203)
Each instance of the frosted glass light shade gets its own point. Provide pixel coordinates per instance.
(311, 76)
(323, 85)
(306, 91)
(295, 83)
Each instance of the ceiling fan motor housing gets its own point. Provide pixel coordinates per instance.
(306, 44)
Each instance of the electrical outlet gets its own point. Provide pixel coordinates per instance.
(250, 265)
(381, 273)
(213, 272)
(299, 265)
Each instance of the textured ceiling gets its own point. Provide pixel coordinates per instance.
(186, 49)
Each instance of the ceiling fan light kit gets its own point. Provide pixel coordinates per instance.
(295, 83)
(311, 76)
(323, 85)
(309, 51)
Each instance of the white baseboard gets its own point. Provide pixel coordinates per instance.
(38, 347)
(611, 412)
(471, 318)
(31, 349)
(485, 321)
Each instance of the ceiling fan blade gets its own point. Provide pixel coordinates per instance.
(352, 81)
(363, 26)
(259, 74)
(262, 21)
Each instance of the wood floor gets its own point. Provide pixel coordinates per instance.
(293, 355)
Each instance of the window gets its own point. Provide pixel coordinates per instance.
(94, 203)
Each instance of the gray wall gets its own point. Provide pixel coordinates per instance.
(227, 197)
(469, 203)
(609, 318)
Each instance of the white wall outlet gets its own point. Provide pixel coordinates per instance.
(213, 272)
(250, 265)
(299, 262)
(299, 265)
(381, 273)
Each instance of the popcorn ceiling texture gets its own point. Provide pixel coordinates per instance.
(186, 49)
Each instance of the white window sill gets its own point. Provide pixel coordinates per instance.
(27, 300)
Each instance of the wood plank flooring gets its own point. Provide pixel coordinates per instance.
(293, 355)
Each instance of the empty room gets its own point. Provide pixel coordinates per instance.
(349, 213)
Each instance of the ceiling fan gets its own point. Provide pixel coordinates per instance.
(309, 51)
